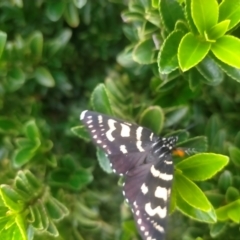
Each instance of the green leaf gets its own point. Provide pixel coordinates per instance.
(81, 132)
(13, 233)
(103, 161)
(55, 9)
(20, 222)
(175, 115)
(230, 10)
(144, 52)
(202, 166)
(191, 193)
(54, 210)
(204, 14)
(31, 130)
(196, 214)
(3, 39)
(155, 3)
(44, 77)
(71, 15)
(79, 3)
(218, 30)
(229, 211)
(52, 230)
(217, 229)
(191, 51)
(167, 58)
(188, 12)
(232, 72)
(36, 45)
(212, 127)
(100, 100)
(11, 198)
(23, 155)
(210, 71)
(234, 153)
(227, 49)
(7, 125)
(15, 79)
(196, 144)
(225, 180)
(153, 118)
(232, 194)
(171, 12)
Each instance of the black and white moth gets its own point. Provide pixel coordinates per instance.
(145, 160)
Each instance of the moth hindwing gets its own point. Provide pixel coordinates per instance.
(145, 160)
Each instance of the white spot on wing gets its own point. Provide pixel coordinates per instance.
(82, 116)
(100, 119)
(139, 221)
(111, 129)
(139, 133)
(163, 176)
(151, 136)
(125, 132)
(161, 212)
(144, 189)
(123, 149)
(139, 146)
(161, 193)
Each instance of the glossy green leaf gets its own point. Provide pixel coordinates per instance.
(235, 155)
(232, 194)
(44, 77)
(14, 232)
(167, 58)
(196, 214)
(81, 132)
(232, 72)
(15, 79)
(36, 45)
(144, 52)
(55, 212)
(215, 198)
(171, 12)
(212, 127)
(218, 30)
(202, 166)
(71, 15)
(3, 39)
(11, 198)
(196, 144)
(191, 51)
(43, 217)
(155, 3)
(31, 179)
(21, 224)
(191, 193)
(204, 14)
(128, 16)
(217, 229)
(175, 115)
(36, 217)
(225, 180)
(23, 155)
(230, 10)
(31, 130)
(153, 118)
(79, 3)
(188, 13)
(229, 211)
(210, 71)
(52, 230)
(55, 9)
(227, 49)
(103, 161)
(100, 100)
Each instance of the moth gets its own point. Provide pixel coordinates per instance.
(145, 160)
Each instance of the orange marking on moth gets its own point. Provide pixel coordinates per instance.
(178, 152)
